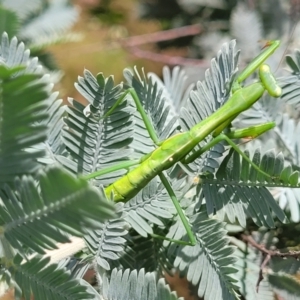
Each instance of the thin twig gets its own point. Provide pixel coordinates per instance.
(261, 248)
(261, 276)
(268, 254)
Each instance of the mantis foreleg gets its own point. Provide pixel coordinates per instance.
(249, 132)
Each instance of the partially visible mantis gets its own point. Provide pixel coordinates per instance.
(176, 148)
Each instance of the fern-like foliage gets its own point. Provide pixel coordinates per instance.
(135, 285)
(156, 109)
(151, 204)
(209, 264)
(107, 244)
(14, 54)
(88, 129)
(40, 215)
(253, 199)
(43, 22)
(39, 207)
(287, 127)
(53, 146)
(17, 118)
(39, 23)
(36, 277)
(174, 88)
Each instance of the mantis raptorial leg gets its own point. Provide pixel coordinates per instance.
(176, 148)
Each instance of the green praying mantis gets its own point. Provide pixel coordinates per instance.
(176, 148)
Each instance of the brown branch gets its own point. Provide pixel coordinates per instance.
(132, 43)
(268, 255)
(167, 59)
(162, 35)
(275, 253)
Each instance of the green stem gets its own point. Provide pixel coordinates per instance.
(145, 118)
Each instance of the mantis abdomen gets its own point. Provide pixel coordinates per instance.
(178, 146)
(162, 158)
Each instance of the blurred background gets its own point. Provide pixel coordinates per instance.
(114, 34)
(109, 35)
